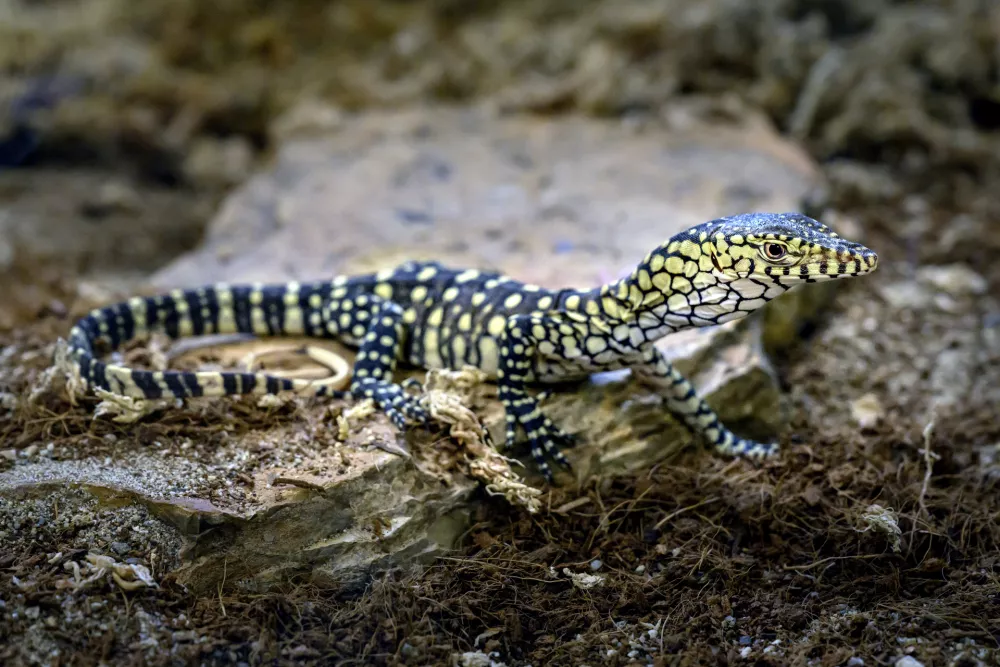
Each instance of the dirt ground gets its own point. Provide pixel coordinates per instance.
(874, 538)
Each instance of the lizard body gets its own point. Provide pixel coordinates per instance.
(431, 316)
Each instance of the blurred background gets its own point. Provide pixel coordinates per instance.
(160, 107)
(124, 126)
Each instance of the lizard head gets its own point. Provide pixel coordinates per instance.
(726, 268)
(782, 249)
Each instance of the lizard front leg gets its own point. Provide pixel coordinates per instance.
(378, 353)
(519, 344)
(682, 399)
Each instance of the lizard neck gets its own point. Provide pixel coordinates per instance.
(674, 287)
(664, 289)
(644, 291)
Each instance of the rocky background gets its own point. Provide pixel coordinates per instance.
(136, 136)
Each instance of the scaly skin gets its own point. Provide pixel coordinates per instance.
(431, 316)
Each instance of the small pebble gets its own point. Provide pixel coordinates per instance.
(867, 410)
(595, 564)
(112, 197)
(8, 401)
(745, 641)
(906, 294)
(219, 162)
(309, 117)
(908, 661)
(55, 307)
(855, 661)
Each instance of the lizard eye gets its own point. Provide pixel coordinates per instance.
(774, 251)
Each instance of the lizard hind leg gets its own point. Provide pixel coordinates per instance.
(375, 363)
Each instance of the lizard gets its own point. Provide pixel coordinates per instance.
(429, 315)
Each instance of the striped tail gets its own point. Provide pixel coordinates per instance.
(263, 310)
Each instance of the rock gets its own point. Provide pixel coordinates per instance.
(307, 118)
(954, 279)
(331, 524)
(906, 295)
(112, 197)
(219, 162)
(569, 203)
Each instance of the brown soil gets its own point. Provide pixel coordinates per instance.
(702, 562)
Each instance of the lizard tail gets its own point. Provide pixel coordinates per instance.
(268, 310)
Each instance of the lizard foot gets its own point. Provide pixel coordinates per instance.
(544, 439)
(402, 408)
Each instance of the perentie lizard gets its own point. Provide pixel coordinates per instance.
(431, 316)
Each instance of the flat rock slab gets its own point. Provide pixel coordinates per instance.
(567, 202)
(571, 202)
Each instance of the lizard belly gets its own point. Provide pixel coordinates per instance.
(455, 351)
(566, 370)
(552, 369)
